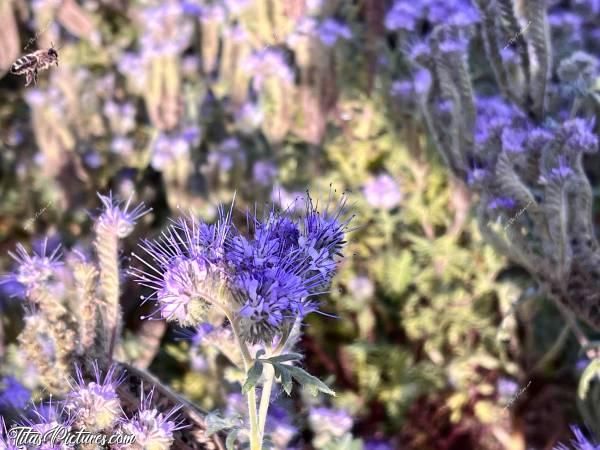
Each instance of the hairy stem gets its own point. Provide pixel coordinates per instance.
(255, 436)
(269, 374)
(107, 245)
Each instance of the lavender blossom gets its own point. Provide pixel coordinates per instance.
(382, 192)
(94, 406)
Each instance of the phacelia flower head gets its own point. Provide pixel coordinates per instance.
(36, 268)
(94, 406)
(266, 278)
(188, 259)
(580, 442)
(119, 220)
(152, 429)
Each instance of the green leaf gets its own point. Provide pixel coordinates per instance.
(259, 353)
(306, 380)
(216, 423)
(284, 358)
(231, 438)
(284, 375)
(252, 376)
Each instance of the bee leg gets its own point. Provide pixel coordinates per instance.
(28, 78)
(35, 74)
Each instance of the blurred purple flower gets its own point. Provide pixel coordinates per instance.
(562, 171)
(14, 394)
(579, 135)
(167, 148)
(382, 192)
(403, 15)
(267, 63)
(513, 140)
(330, 30)
(122, 145)
(378, 444)
(422, 81)
(361, 288)
(502, 202)
(506, 388)
(335, 422)
(264, 172)
(92, 159)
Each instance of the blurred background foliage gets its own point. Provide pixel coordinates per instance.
(431, 339)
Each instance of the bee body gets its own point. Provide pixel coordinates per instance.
(32, 63)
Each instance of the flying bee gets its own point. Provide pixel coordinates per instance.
(31, 63)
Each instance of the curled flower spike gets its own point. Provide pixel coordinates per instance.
(36, 268)
(118, 219)
(152, 429)
(94, 406)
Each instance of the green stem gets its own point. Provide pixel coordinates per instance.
(269, 374)
(255, 435)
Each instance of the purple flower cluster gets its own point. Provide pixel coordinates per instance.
(406, 16)
(266, 278)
